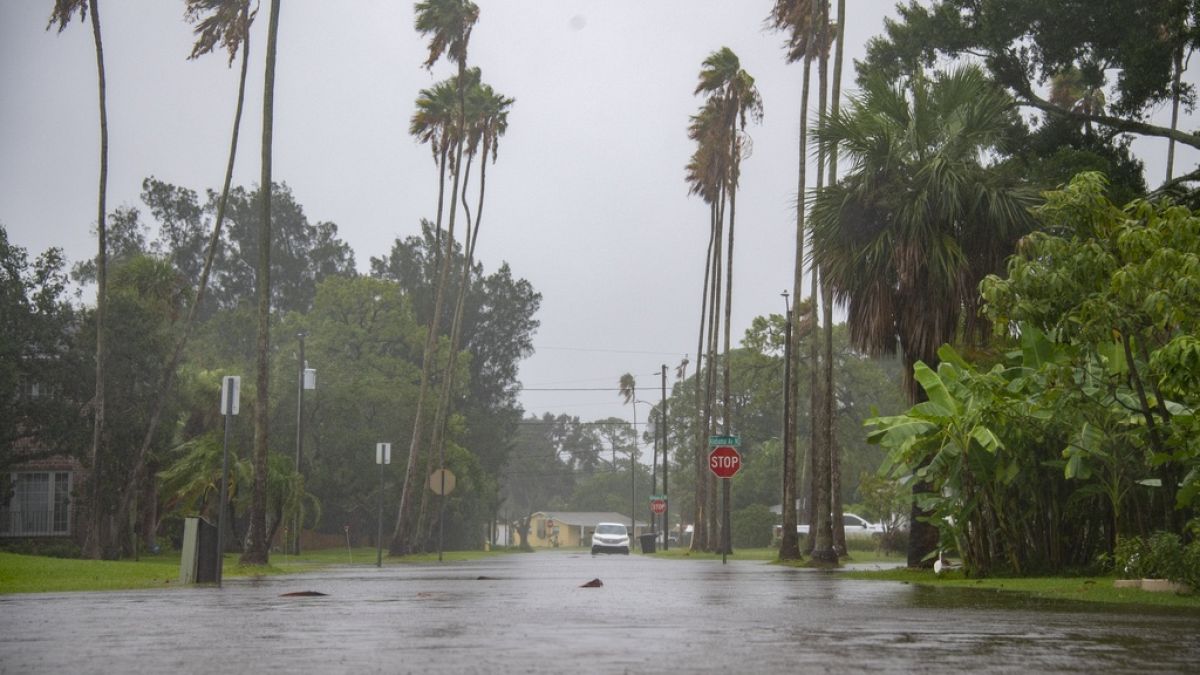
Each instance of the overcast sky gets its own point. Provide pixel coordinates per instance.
(587, 200)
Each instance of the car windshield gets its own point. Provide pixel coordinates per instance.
(610, 529)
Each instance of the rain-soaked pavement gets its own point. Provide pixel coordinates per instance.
(528, 614)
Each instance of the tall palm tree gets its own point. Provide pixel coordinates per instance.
(256, 552)
(487, 121)
(448, 23)
(795, 17)
(220, 23)
(906, 236)
(829, 424)
(704, 172)
(96, 542)
(736, 98)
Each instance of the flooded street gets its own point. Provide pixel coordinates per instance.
(528, 614)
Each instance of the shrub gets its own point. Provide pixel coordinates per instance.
(1160, 556)
(751, 527)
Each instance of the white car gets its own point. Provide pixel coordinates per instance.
(854, 525)
(610, 538)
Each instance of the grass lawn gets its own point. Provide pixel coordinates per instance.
(39, 574)
(1086, 589)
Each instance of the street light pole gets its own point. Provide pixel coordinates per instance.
(299, 432)
(383, 455)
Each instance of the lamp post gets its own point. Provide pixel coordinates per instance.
(307, 379)
(789, 495)
(383, 455)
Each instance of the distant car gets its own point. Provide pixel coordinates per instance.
(610, 538)
(854, 525)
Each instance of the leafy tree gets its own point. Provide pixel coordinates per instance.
(1023, 45)
(64, 11)
(1041, 461)
(1125, 281)
(39, 414)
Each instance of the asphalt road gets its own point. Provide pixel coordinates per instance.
(529, 614)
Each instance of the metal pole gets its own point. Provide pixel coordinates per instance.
(726, 540)
(442, 502)
(789, 452)
(299, 431)
(379, 531)
(633, 475)
(662, 417)
(224, 492)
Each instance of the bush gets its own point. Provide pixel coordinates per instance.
(1160, 556)
(751, 527)
(56, 547)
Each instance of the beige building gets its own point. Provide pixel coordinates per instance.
(572, 529)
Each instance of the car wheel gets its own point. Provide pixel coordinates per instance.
(593, 550)
(626, 551)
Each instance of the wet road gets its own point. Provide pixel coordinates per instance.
(528, 614)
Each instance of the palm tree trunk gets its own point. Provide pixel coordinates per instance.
(789, 546)
(96, 543)
(256, 553)
(830, 412)
(820, 530)
(402, 533)
(168, 378)
(699, 531)
(711, 399)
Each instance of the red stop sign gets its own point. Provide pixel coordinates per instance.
(658, 505)
(724, 461)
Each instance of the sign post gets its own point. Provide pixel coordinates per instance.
(441, 483)
(724, 461)
(383, 455)
(231, 390)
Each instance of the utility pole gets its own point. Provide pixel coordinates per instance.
(662, 418)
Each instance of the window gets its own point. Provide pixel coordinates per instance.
(37, 503)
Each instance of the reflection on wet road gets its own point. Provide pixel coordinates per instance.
(527, 613)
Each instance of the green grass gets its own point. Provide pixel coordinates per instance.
(1086, 589)
(39, 574)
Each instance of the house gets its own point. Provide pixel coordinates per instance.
(572, 529)
(36, 498)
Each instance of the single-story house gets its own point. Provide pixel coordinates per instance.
(572, 529)
(36, 498)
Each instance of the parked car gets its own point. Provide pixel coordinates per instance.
(854, 524)
(610, 538)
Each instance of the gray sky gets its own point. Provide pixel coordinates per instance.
(587, 200)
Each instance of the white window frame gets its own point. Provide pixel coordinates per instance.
(21, 518)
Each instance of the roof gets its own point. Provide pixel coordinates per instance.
(586, 518)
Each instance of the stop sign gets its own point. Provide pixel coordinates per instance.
(658, 505)
(724, 461)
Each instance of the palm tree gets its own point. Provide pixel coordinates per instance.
(435, 123)
(224, 23)
(95, 543)
(487, 117)
(448, 23)
(829, 424)
(736, 98)
(796, 18)
(906, 236)
(256, 552)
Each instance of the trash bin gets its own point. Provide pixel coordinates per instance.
(198, 559)
(648, 542)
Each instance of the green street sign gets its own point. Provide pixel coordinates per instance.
(732, 441)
